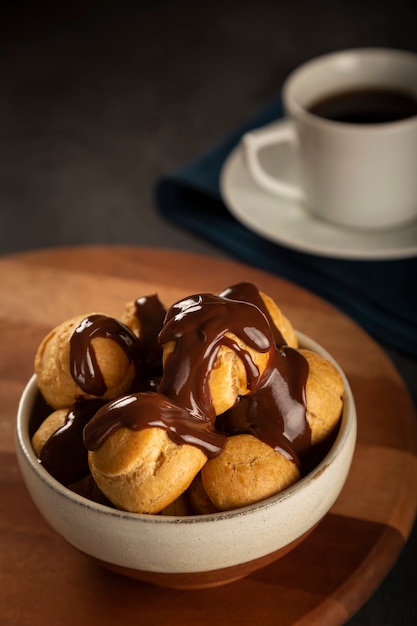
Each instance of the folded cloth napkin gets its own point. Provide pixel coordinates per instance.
(381, 296)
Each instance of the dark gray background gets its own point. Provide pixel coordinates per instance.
(97, 99)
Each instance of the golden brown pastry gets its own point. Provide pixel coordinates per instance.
(180, 507)
(228, 377)
(212, 405)
(215, 350)
(87, 356)
(206, 368)
(144, 471)
(281, 321)
(200, 502)
(131, 319)
(49, 426)
(246, 471)
(282, 328)
(324, 396)
(87, 488)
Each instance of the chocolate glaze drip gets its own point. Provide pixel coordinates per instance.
(198, 326)
(83, 363)
(276, 412)
(248, 292)
(64, 454)
(274, 409)
(183, 405)
(150, 313)
(147, 410)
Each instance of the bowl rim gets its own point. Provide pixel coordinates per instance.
(23, 444)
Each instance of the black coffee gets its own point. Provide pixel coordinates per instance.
(366, 106)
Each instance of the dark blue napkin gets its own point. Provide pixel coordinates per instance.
(380, 295)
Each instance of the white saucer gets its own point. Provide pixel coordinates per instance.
(287, 223)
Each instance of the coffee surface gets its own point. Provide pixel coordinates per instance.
(366, 106)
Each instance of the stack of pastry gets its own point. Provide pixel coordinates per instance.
(207, 406)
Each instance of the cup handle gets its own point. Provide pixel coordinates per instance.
(253, 141)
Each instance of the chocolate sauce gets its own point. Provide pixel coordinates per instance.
(248, 292)
(276, 413)
(273, 410)
(64, 454)
(83, 363)
(150, 313)
(198, 325)
(147, 410)
(183, 405)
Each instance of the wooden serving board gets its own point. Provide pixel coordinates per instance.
(323, 581)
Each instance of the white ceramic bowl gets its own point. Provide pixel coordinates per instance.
(189, 552)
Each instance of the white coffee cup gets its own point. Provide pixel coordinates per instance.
(361, 175)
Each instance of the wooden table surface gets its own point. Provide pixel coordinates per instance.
(324, 581)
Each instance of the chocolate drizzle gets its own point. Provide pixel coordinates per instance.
(273, 410)
(183, 406)
(248, 292)
(64, 454)
(85, 369)
(147, 410)
(198, 326)
(150, 314)
(276, 412)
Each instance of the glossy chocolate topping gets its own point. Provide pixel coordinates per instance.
(248, 292)
(64, 454)
(150, 313)
(274, 409)
(85, 369)
(183, 405)
(199, 325)
(146, 410)
(276, 412)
